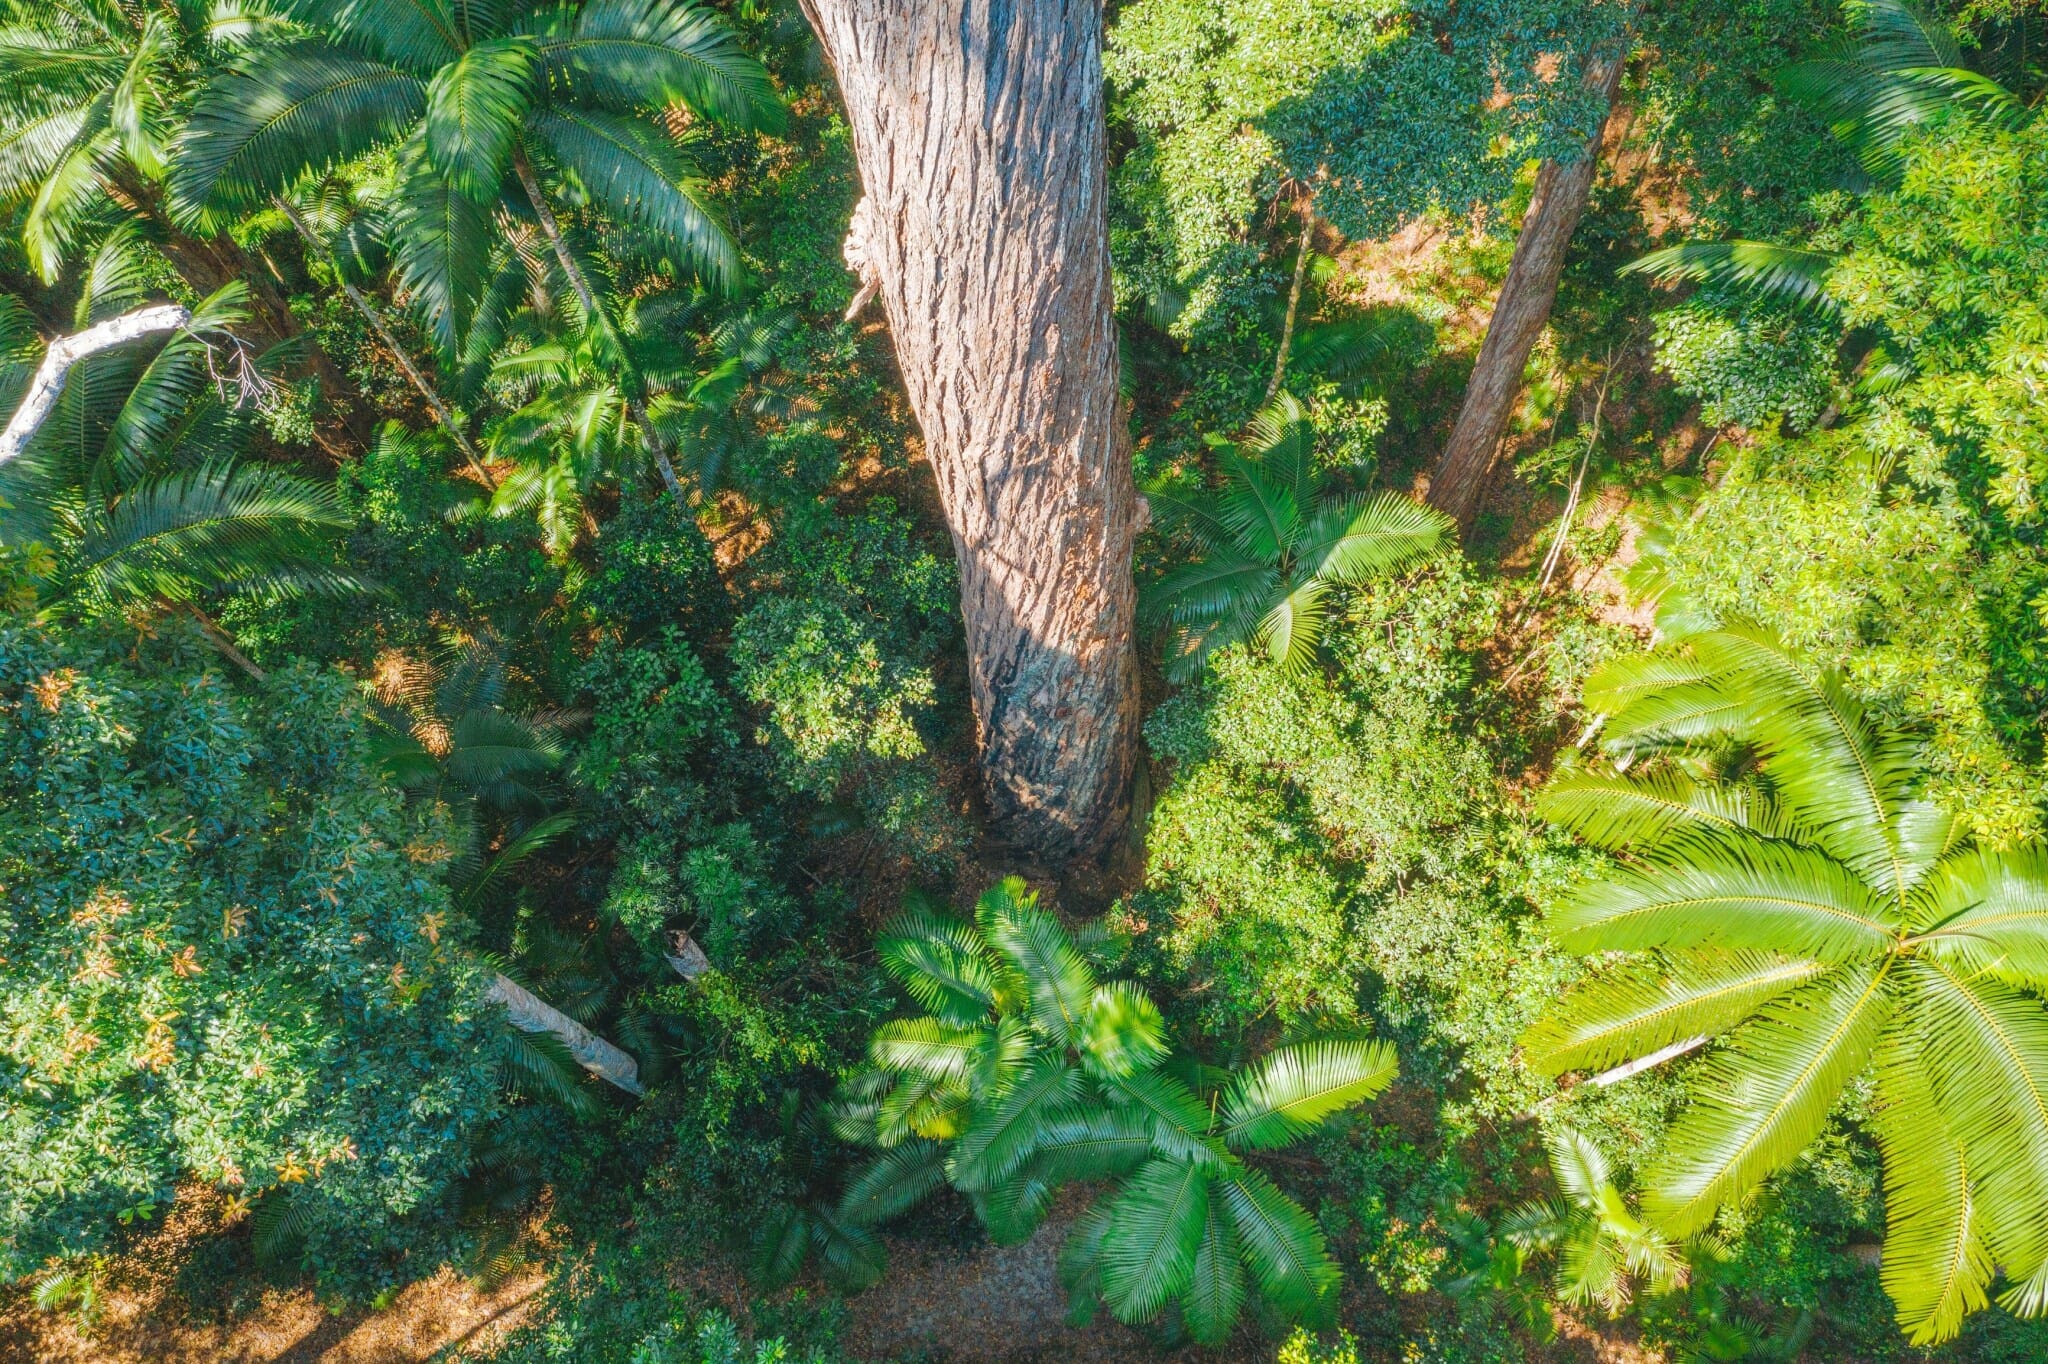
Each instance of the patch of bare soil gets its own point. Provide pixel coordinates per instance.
(143, 1324)
(1002, 1305)
(144, 1318)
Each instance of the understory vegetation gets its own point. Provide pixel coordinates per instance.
(488, 741)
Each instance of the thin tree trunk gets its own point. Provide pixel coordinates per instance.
(636, 397)
(530, 1013)
(398, 353)
(47, 385)
(1308, 225)
(983, 228)
(1458, 485)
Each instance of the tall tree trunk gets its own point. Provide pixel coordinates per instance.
(979, 133)
(1458, 485)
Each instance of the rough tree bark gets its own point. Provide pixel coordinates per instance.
(1458, 484)
(48, 384)
(979, 133)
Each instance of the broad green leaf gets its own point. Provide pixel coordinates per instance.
(1619, 1013)
(1155, 1228)
(1293, 1088)
(1935, 1264)
(1758, 1103)
(1735, 891)
(1281, 1244)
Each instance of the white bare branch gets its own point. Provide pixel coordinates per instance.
(66, 351)
(529, 1013)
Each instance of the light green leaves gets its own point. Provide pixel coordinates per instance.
(1286, 1093)
(1732, 892)
(1760, 1102)
(1026, 1076)
(1813, 914)
(1269, 547)
(1637, 1008)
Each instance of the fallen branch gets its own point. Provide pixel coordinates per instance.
(66, 351)
(530, 1013)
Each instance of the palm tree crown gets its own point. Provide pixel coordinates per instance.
(1270, 544)
(474, 95)
(1024, 1073)
(1784, 888)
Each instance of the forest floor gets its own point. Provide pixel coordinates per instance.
(139, 1324)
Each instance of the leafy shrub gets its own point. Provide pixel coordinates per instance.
(227, 960)
(1748, 361)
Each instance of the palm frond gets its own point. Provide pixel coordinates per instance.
(1631, 1010)
(1791, 273)
(928, 1048)
(222, 526)
(1293, 627)
(1643, 809)
(1360, 538)
(1258, 505)
(1003, 1134)
(1282, 1245)
(538, 1066)
(475, 106)
(1984, 1046)
(1122, 1033)
(1094, 1141)
(1282, 439)
(1988, 911)
(1290, 1091)
(1737, 891)
(1155, 1227)
(1764, 1098)
(1180, 1122)
(644, 179)
(893, 1183)
(1058, 979)
(1936, 1265)
(942, 965)
(443, 240)
(1215, 1291)
(635, 53)
(283, 112)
